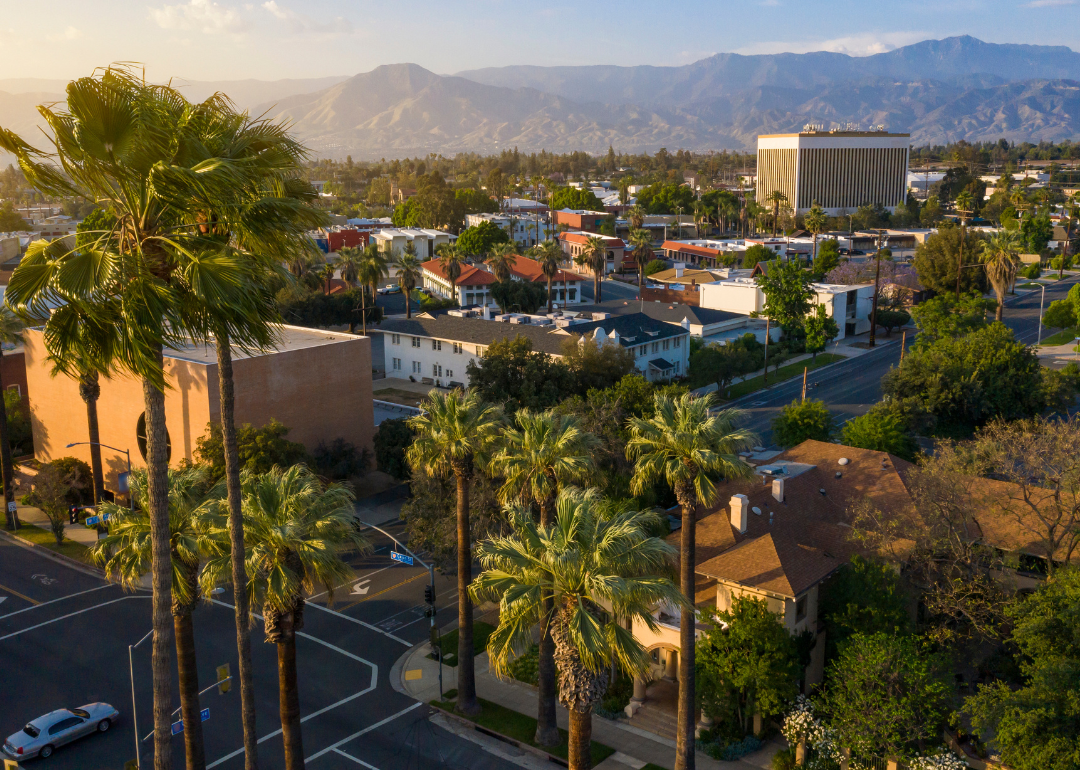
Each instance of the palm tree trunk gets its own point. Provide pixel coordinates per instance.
(7, 466)
(466, 702)
(408, 306)
(236, 540)
(289, 695)
(549, 292)
(157, 470)
(90, 390)
(580, 748)
(1000, 310)
(547, 727)
(189, 690)
(684, 750)
(596, 286)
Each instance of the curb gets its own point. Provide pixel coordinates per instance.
(59, 558)
(500, 737)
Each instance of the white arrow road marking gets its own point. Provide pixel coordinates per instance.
(2, 599)
(361, 588)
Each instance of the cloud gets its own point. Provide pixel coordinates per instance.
(71, 33)
(852, 45)
(1049, 3)
(301, 24)
(204, 16)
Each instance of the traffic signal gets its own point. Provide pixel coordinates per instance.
(224, 679)
(429, 593)
(73, 515)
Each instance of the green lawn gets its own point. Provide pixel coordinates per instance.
(448, 642)
(38, 536)
(1063, 336)
(785, 373)
(522, 727)
(1030, 286)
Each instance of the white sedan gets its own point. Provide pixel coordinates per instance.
(43, 735)
(390, 288)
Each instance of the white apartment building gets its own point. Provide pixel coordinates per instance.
(393, 240)
(524, 231)
(473, 286)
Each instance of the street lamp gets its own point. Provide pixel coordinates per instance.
(127, 454)
(1042, 299)
(131, 669)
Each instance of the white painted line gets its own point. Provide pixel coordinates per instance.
(69, 596)
(362, 623)
(354, 759)
(71, 615)
(366, 730)
(376, 572)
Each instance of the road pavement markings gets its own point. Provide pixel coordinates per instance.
(413, 675)
(391, 588)
(366, 730)
(71, 615)
(21, 596)
(362, 623)
(361, 588)
(42, 604)
(359, 761)
(376, 572)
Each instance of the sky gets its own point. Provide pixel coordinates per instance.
(273, 39)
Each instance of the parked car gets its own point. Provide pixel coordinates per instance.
(45, 734)
(390, 288)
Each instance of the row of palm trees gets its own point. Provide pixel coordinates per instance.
(540, 458)
(209, 206)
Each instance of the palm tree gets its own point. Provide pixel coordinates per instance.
(125, 553)
(550, 257)
(635, 215)
(1000, 256)
(295, 532)
(816, 221)
(589, 565)
(11, 330)
(691, 450)
(451, 260)
(374, 267)
(410, 272)
(965, 207)
(641, 240)
(595, 256)
(776, 198)
(542, 456)
(349, 261)
(457, 433)
(502, 260)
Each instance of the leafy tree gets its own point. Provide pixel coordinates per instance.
(828, 257)
(475, 201)
(945, 317)
(52, 488)
(392, 439)
(1037, 725)
(755, 254)
(788, 296)
(456, 435)
(480, 240)
(20, 432)
(595, 366)
(800, 421)
(748, 665)
(692, 450)
(936, 261)
(511, 373)
(592, 559)
(97, 223)
(723, 363)
(864, 596)
(10, 219)
(661, 198)
(655, 266)
(576, 199)
(884, 696)
(890, 320)
(821, 329)
(259, 449)
(518, 296)
(1061, 314)
(883, 429)
(80, 479)
(1037, 232)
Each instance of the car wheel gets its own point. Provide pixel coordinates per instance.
(46, 751)
(104, 725)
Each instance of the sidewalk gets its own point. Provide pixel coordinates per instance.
(79, 533)
(417, 675)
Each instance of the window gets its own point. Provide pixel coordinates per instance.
(396, 364)
(458, 347)
(656, 347)
(480, 350)
(449, 372)
(395, 339)
(678, 342)
(667, 344)
(800, 609)
(572, 295)
(436, 344)
(140, 438)
(416, 367)
(416, 342)
(64, 724)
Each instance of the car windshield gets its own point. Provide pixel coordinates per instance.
(81, 713)
(31, 731)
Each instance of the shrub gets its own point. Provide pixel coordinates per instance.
(391, 441)
(883, 430)
(79, 475)
(784, 760)
(655, 266)
(1055, 263)
(800, 421)
(339, 460)
(1031, 271)
(618, 696)
(20, 434)
(526, 667)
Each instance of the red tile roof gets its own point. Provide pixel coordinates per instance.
(612, 243)
(689, 248)
(529, 270)
(470, 276)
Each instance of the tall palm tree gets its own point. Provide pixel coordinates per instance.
(775, 198)
(541, 456)
(550, 257)
(1000, 256)
(451, 260)
(965, 207)
(692, 450)
(11, 330)
(410, 272)
(589, 565)
(374, 267)
(641, 240)
(349, 261)
(816, 221)
(457, 434)
(502, 260)
(125, 553)
(296, 530)
(595, 256)
(635, 215)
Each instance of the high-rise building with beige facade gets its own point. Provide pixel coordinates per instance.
(838, 170)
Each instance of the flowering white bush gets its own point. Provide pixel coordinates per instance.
(800, 723)
(943, 760)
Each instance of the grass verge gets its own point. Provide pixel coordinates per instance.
(784, 373)
(38, 536)
(522, 727)
(448, 642)
(1063, 336)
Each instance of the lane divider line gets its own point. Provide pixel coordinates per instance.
(391, 588)
(366, 730)
(71, 615)
(12, 591)
(354, 759)
(51, 601)
(362, 623)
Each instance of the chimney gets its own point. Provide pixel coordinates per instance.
(679, 268)
(740, 506)
(778, 489)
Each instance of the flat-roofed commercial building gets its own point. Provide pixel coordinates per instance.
(838, 170)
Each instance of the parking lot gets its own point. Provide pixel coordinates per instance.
(64, 637)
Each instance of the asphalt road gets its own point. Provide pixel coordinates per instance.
(64, 638)
(851, 387)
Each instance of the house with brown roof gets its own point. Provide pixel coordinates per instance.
(574, 244)
(473, 286)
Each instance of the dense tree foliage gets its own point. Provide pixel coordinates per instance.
(666, 198)
(481, 239)
(260, 448)
(800, 421)
(391, 440)
(576, 199)
(519, 296)
(938, 257)
(863, 597)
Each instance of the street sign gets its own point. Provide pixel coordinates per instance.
(205, 714)
(401, 557)
(91, 521)
(178, 727)
(12, 507)
(224, 679)
(122, 482)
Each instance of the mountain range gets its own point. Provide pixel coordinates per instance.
(938, 90)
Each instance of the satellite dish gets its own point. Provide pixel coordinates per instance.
(844, 461)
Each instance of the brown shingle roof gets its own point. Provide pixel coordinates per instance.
(773, 563)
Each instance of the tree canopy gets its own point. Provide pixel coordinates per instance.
(481, 239)
(937, 258)
(800, 421)
(575, 198)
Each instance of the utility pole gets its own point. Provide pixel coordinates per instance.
(903, 344)
(877, 280)
(805, 369)
(765, 379)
